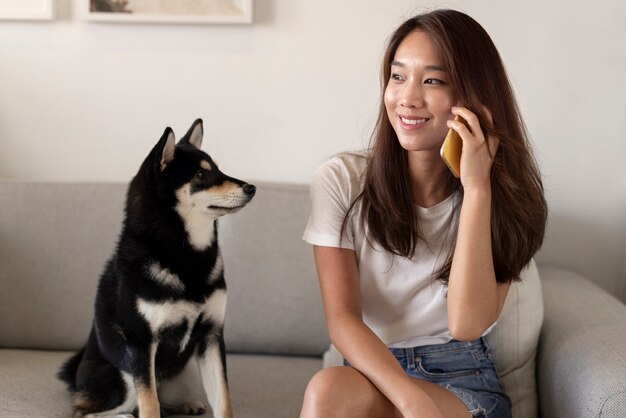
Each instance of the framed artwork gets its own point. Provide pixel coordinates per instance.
(168, 11)
(26, 9)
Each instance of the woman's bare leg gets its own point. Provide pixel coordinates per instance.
(342, 392)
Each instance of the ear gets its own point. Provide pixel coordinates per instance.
(194, 134)
(169, 146)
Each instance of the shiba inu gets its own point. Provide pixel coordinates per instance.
(157, 331)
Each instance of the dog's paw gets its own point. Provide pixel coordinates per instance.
(187, 408)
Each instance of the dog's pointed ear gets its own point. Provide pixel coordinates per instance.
(167, 143)
(194, 134)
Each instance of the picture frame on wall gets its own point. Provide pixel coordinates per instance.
(26, 9)
(169, 11)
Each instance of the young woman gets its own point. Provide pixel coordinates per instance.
(415, 265)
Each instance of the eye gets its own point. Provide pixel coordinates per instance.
(433, 81)
(396, 77)
(201, 174)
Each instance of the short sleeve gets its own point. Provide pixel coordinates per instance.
(330, 197)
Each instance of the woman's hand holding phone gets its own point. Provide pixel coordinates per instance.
(451, 149)
(475, 160)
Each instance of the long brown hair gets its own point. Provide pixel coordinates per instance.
(478, 77)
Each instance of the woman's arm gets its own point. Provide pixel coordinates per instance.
(475, 298)
(339, 282)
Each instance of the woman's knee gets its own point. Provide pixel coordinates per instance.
(341, 392)
(321, 391)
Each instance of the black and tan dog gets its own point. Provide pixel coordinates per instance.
(161, 300)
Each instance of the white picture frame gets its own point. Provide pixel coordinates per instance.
(150, 11)
(26, 9)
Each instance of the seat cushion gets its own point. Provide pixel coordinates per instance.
(261, 386)
(514, 341)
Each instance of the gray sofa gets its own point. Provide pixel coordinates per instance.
(55, 238)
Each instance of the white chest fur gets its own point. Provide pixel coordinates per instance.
(160, 315)
(165, 277)
(199, 226)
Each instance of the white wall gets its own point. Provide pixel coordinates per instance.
(84, 101)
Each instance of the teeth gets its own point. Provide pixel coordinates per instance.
(413, 121)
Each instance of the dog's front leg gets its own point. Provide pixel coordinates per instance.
(212, 362)
(144, 377)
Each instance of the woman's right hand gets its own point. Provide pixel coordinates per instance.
(479, 150)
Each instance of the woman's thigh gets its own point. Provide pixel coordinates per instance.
(448, 403)
(345, 392)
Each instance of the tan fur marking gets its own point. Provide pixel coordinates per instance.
(147, 398)
(228, 412)
(225, 188)
(148, 402)
(83, 403)
(206, 165)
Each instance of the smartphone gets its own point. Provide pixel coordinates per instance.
(451, 149)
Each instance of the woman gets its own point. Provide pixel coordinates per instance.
(415, 265)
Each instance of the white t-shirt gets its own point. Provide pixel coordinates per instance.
(401, 301)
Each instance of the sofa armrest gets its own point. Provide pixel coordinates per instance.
(582, 349)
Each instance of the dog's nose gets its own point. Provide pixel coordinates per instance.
(249, 189)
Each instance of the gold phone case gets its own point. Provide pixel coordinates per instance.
(451, 150)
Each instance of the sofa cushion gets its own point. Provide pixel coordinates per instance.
(54, 241)
(514, 341)
(581, 364)
(274, 301)
(261, 386)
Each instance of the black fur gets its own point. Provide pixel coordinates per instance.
(155, 231)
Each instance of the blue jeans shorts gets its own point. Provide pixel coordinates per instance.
(464, 368)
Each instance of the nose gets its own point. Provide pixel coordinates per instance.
(411, 95)
(249, 189)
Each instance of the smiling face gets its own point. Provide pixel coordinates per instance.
(418, 96)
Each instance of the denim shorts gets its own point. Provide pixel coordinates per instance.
(464, 368)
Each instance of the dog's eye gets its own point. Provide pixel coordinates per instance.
(200, 174)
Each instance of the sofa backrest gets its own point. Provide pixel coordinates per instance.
(274, 303)
(56, 238)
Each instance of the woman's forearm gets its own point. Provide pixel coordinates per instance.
(473, 296)
(369, 355)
